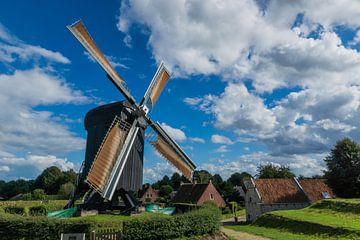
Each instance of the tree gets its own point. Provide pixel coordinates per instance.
(273, 171)
(237, 179)
(164, 181)
(165, 191)
(217, 181)
(175, 181)
(49, 180)
(202, 176)
(66, 189)
(38, 194)
(343, 168)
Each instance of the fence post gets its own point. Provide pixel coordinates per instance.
(93, 235)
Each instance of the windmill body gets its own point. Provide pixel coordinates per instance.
(113, 164)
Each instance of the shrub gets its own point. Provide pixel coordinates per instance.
(38, 211)
(15, 210)
(41, 228)
(206, 220)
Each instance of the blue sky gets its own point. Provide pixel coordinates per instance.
(254, 82)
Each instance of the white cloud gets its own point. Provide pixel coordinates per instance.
(158, 171)
(285, 47)
(31, 137)
(222, 149)
(4, 168)
(192, 101)
(13, 49)
(175, 133)
(219, 139)
(196, 140)
(307, 165)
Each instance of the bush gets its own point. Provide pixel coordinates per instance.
(15, 210)
(38, 211)
(206, 220)
(41, 228)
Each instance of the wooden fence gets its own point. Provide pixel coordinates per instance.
(106, 234)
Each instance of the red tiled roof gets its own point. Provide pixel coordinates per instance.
(280, 191)
(314, 189)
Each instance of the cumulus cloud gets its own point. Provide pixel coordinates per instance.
(112, 60)
(197, 140)
(13, 49)
(307, 165)
(175, 133)
(219, 139)
(31, 137)
(158, 171)
(262, 50)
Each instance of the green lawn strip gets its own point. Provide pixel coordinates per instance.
(339, 205)
(324, 217)
(280, 234)
(239, 213)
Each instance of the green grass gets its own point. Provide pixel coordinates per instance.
(50, 205)
(328, 219)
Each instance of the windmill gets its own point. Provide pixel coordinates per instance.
(113, 164)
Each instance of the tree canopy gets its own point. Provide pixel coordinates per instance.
(343, 168)
(274, 171)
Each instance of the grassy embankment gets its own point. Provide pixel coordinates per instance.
(328, 219)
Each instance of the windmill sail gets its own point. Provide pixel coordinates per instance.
(107, 155)
(80, 32)
(171, 151)
(156, 86)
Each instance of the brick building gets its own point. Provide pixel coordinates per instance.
(265, 195)
(148, 193)
(198, 193)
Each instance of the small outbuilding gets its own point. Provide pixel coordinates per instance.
(265, 195)
(148, 194)
(198, 194)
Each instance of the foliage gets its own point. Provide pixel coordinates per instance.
(37, 211)
(15, 210)
(12, 188)
(343, 168)
(29, 228)
(202, 176)
(38, 194)
(50, 205)
(66, 189)
(165, 191)
(237, 179)
(175, 181)
(273, 171)
(203, 221)
(328, 219)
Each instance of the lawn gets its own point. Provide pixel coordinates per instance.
(328, 219)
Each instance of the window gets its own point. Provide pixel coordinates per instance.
(250, 199)
(147, 195)
(150, 195)
(211, 196)
(326, 195)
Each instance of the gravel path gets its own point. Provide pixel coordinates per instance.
(238, 235)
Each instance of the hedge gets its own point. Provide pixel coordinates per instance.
(206, 220)
(15, 210)
(38, 211)
(29, 228)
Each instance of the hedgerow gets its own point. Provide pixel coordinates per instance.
(28, 228)
(206, 220)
